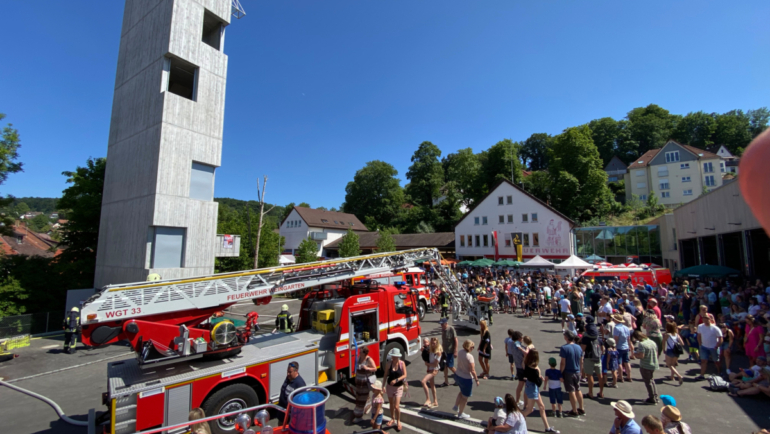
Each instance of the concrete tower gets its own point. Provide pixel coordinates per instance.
(165, 143)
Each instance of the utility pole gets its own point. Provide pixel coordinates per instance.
(262, 213)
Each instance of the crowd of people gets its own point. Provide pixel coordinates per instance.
(605, 326)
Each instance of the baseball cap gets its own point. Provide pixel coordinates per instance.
(668, 400)
(499, 401)
(443, 321)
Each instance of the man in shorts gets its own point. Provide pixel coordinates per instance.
(564, 304)
(571, 359)
(449, 343)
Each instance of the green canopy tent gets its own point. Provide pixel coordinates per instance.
(707, 270)
(507, 263)
(483, 262)
(594, 258)
(464, 263)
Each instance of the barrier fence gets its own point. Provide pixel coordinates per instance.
(30, 324)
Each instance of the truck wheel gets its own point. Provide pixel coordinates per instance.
(231, 398)
(422, 309)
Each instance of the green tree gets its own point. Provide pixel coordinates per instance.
(375, 192)
(534, 151)
(12, 297)
(349, 245)
(39, 223)
(539, 184)
(626, 148)
(385, 242)
(579, 186)
(231, 222)
(446, 213)
(10, 143)
(651, 126)
(270, 246)
(20, 209)
(424, 228)
(758, 120)
(425, 175)
(463, 169)
(605, 133)
(307, 251)
(733, 130)
(501, 161)
(696, 129)
(83, 199)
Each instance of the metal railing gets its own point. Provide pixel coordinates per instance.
(30, 324)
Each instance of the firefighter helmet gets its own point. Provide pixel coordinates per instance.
(284, 307)
(74, 309)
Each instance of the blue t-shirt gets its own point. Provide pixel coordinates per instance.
(621, 333)
(692, 340)
(554, 378)
(631, 427)
(572, 353)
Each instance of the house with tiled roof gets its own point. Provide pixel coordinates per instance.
(30, 243)
(321, 226)
(675, 173)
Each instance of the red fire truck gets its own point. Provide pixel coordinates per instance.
(414, 278)
(639, 274)
(222, 368)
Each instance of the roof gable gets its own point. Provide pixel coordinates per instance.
(318, 218)
(521, 190)
(644, 160)
(615, 164)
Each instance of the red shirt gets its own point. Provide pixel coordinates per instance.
(657, 312)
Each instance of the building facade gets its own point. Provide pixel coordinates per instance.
(719, 229)
(616, 170)
(321, 226)
(676, 174)
(165, 142)
(444, 242)
(508, 210)
(620, 244)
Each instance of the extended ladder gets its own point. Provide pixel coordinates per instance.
(466, 311)
(134, 300)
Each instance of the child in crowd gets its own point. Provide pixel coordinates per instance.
(540, 304)
(528, 342)
(498, 418)
(580, 324)
(510, 347)
(610, 363)
(377, 402)
(554, 377)
(555, 309)
(692, 342)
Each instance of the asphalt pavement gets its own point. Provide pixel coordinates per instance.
(77, 381)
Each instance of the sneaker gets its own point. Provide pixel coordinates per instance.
(581, 412)
(521, 405)
(463, 416)
(455, 409)
(552, 429)
(559, 414)
(513, 378)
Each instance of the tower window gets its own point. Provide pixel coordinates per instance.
(180, 77)
(202, 182)
(213, 31)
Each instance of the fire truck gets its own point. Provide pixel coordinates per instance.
(414, 277)
(184, 360)
(639, 274)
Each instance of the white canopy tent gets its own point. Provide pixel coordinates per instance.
(573, 262)
(538, 262)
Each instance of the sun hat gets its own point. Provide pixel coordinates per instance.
(668, 400)
(499, 402)
(570, 316)
(395, 352)
(624, 407)
(377, 385)
(618, 318)
(611, 342)
(672, 413)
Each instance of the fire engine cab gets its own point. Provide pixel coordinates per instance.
(414, 278)
(222, 368)
(639, 274)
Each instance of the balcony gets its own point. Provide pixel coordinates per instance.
(318, 236)
(227, 246)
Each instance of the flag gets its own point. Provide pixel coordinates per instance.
(494, 235)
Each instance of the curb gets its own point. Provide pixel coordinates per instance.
(427, 421)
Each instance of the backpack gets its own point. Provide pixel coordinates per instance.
(596, 350)
(718, 384)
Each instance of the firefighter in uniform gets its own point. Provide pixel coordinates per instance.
(284, 322)
(443, 300)
(71, 328)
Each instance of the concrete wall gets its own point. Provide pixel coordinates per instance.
(716, 210)
(558, 247)
(668, 242)
(155, 136)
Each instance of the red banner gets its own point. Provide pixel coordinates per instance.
(497, 255)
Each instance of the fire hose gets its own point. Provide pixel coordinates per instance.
(53, 405)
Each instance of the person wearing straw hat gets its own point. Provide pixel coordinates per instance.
(622, 335)
(671, 418)
(395, 375)
(377, 403)
(624, 419)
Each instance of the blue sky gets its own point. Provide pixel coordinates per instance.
(318, 88)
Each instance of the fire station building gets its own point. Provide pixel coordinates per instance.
(509, 211)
